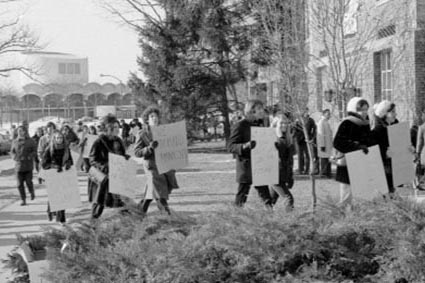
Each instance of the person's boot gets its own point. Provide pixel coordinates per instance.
(40, 181)
(24, 202)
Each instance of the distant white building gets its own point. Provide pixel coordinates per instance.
(58, 85)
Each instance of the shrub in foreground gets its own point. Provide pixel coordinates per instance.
(376, 242)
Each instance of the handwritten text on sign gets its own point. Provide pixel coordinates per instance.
(122, 176)
(264, 157)
(62, 189)
(171, 152)
(402, 164)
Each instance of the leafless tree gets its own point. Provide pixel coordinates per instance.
(15, 37)
(283, 32)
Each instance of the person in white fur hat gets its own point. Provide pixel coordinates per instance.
(385, 115)
(353, 134)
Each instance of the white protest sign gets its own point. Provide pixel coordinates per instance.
(36, 269)
(366, 172)
(87, 147)
(171, 152)
(122, 176)
(264, 157)
(403, 168)
(62, 189)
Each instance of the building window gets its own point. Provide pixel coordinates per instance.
(386, 75)
(386, 31)
(70, 68)
(62, 68)
(77, 69)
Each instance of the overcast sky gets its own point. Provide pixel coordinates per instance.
(83, 28)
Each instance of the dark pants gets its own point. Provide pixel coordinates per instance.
(60, 215)
(290, 199)
(85, 165)
(162, 205)
(27, 178)
(97, 210)
(303, 158)
(325, 167)
(243, 191)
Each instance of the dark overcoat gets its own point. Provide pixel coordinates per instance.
(98, 158)
(286, 162)
(240, 134)
(353, 133)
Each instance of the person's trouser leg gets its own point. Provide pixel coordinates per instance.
(97, 210)
(345, 195)
(301, 168)
(277, 190)
(242, 194)
(30, 185)
(20, 178)
(274, 196)
(144, 204)
(163, 205)
(306, 159)
(60, 216)
(264, 193)
(325, 167)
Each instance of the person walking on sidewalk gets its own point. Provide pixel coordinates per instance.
(37, 136)
(24, 150)
(158, 186)
(44, 142)
(108, 142)
(240, 144)
(57, 157)
(324, 143)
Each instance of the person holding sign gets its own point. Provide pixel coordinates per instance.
(385, 115)
(286, 149)
(57, 157)
(240, 144)
(158, 186)
(353, 134)
(108, 142)
(44, 142)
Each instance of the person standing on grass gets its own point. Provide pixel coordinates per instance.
(302, 144)
(240, 144)
(353, 134)
(158, 186)
(286, 150)
(24, 151)
(57, 157)
(37, 136)
(324, 143)
(108, 142)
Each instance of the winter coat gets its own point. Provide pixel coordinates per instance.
(57, 158)
(157, 185)
(71, 137)
(324, 138)
(241, 134)
(98, 158)
(311, 131)
(43, 143)
(24, 152)
(286, 162)
(125, 133)
(352, 133)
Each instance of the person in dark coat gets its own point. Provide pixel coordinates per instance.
(71, 138)
(37, 136)
(108, 142)
(353, 134)
(85, 165)
(158, 186)
(240, 144)
(302, 144)
(24, 151)
(286, 150)
(385, 115)
(57, 157)
(125, 132)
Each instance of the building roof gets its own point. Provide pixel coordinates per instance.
(54, 54)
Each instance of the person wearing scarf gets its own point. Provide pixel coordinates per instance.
(57, 157)
(353, 134)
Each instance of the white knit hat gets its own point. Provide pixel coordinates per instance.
(382, 109)
(352, 104)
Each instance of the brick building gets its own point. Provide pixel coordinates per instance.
(387, 40)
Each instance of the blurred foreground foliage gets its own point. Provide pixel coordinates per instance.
(377, 241)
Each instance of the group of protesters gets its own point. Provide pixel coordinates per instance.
(50, 149)
(294, 136)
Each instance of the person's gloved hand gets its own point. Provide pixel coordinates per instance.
(59, 169)
(276, 145)
(364, 148)
(153, 144)
(323, 149)
(127, 157)
(249, 145)
(67, 166)
(290, 183)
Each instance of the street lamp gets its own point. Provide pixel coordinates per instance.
(121, 84)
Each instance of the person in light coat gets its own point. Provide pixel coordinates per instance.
(158, 186)
(324, 143)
